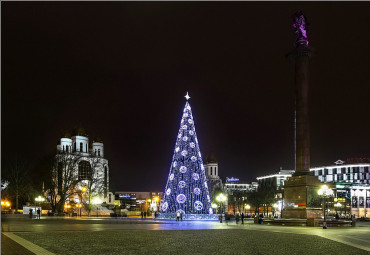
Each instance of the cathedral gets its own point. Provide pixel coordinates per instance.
(88, 162)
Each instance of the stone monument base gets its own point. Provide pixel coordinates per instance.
(301, 200)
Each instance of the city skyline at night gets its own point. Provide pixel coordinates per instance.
(121, 69)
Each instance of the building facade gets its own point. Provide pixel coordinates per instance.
(275, 181)
(133, 202)
(350, 182)
(214, 181)
(237, 192)
(340, 172)
(88, 163)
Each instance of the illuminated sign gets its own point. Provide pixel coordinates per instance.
(124, 196)
(231, 179)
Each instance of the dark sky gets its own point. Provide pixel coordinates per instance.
(121, 69)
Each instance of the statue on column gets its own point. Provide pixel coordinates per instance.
(300, 25)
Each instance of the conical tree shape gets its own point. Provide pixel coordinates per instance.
(187, 190)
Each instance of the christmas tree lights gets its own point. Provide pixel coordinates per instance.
(186, 190)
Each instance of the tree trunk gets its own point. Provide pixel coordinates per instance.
(16, 202)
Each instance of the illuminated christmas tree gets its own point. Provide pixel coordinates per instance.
(186, 189)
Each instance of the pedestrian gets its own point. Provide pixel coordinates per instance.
(261, 219)
(145, 215)
(237, 218)
(242, 218)
(353, 219)
(181, 216)
(177, 216)
(142, 214)
(30, 213)
(38, 213)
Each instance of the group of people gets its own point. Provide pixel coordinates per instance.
(178, 216)
(144, 214)
(228, 217)
(38, 215)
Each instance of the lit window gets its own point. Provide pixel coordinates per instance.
(84, 170)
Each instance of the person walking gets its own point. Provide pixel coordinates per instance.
(38, 213)
(142, 214)
(242, 218)
(177, 216)
(181, 216)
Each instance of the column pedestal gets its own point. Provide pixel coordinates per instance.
(300, 197)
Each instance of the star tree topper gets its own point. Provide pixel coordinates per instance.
(187, 96)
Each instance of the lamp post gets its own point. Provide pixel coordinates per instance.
(39, 199)
(5, 204)
(325, 193)
(221, 198)
(79, 206)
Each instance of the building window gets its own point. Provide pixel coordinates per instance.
(86, 148)
(99, 153)
(95, 152)
(67, 150)
(74, 146)
(84, 170)
(211, 170)
(81, 147)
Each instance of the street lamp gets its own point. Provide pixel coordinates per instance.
(79, 206)
(325, 193)
(5, 204)
(221, 198)
(39, 199)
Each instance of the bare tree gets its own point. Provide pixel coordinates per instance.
(19, 185)
(64, 179)
(94, 184)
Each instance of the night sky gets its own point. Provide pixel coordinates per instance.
(122, 69)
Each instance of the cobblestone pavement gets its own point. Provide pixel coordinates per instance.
(354, 236)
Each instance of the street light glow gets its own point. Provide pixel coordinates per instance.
(39, 199)
(221, 198)
(97, 201)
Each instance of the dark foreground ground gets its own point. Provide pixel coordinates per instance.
(235, 241)
(133, 236)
